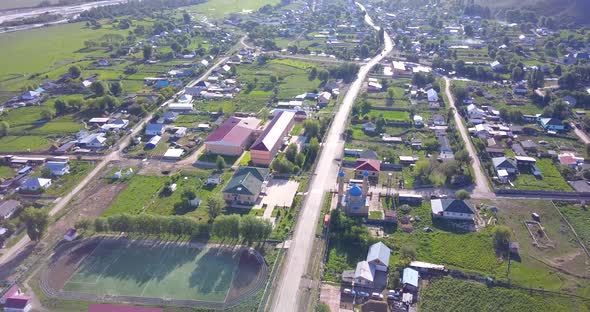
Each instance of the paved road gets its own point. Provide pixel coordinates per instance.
(481, 183)
(114, 155)
(287, 293)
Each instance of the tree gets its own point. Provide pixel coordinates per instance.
(74, 72)
(226, 226)
(148, 52)
(517, 74)
(364, 51)
(4, 127)
(323, 75)
(407, 252)
(215, 204)
(36, 221)
(186, 18)
(46, 173)
(61, 107)
(502, 237)
(311, 128)
(97, 88)
(380, 124)
(463, 157)
(536, 78)
(46, 115)
(322, 307)
(390, 96)
(220, 163)
(116, 88)
(291, 152)
(468, 29)
(312, 149)
(313, 73)
(462, 195)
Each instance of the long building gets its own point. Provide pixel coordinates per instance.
(232, 137)
(264, 150)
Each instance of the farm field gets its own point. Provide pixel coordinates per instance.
(579, 217)
(220, 8)
(448, 294)
(6, 172)
(156, 270)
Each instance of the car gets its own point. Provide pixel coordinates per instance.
(347, 291)
(393, 295)
(427, 230)
(377, 296)
(363, 293)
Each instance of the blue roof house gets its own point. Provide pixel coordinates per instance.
(551, 124)
(410, 280)
(379, 256)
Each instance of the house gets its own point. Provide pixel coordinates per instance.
(483, 130)
(476, 114)
(370, 166)
(35, 184)
(174, 154)
(169, 117)
(8, 208)
(369, 128)
(418, 121)
(180, 132)
(518, 149)
(213, 179)
(374, 87)
(14, 290)
(185, 98)
(70, 235)
(245, 186)
(324, 99)
(438, 120)
(232, 137)
(30, 95)
(266, 147)
(410, 279)
(115, 125)
(160, 84)
(378, 256)
(58, 168)
(186, 106)
(551, 124)
(495, 152)
(103, 63)
(453, 209)
(407, 160)
(432, 95)
(17, 304)
(529, 146)
(496, 66)
(94, 140)
(507, 164)
(520, 89)
(197, 88)
(446, 152)
(364, 275)
(416, 143)
(153, 142)
(570, 160)
(155, 129)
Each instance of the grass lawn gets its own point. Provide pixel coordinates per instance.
(245, 161)
(23, 143)
(171, 271)
(552, 179)
(448, 294)
(286, 217)
(78, 170)
(212, 158)
(6, 172)
(148, 194)
(579, 218)
(389, 115)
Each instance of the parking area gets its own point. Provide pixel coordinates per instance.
(278, 193)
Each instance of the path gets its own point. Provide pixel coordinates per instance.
(581, 134)
(287, 289)
(481, 182)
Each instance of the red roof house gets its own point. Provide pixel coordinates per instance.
(11, 292)
(371, 166)
(17, 304)
(232, 137)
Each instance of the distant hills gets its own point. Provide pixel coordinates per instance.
(577, 10)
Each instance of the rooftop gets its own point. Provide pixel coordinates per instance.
(234, 131)
(273, 133)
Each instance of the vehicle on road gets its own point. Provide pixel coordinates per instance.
(377, 296)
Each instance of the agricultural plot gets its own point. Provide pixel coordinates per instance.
(551, 180)
(579, 217)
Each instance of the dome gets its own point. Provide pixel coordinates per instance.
(365, 174)
(341, 174)
(355, 191)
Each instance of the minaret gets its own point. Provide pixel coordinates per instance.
(340, 187)
(365, 183)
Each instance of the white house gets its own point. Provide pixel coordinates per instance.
(418, 121)
(476, 114)
(364, 274)
(35, 184)
(324, 98)
(453, 209)
(432, 95)
(379, 256)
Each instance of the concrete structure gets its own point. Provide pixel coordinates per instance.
(455, 209)
(232, 137)
(245, 186)
(264, 150)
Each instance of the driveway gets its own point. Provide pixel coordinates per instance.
(279, 193)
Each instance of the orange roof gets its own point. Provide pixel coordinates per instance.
(368, 165)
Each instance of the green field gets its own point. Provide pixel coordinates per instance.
(163, 271)
(552, 179)
(579, 218)
(78, 170)
(6, 172)
(16, 4)
(389, 115)
(221, 8)
(23, 144)
(448, 294)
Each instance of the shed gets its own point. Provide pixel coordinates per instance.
(410, 279)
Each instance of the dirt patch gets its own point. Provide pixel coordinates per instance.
(250, 272)
(66, 263)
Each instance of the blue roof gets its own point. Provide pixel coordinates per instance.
(380, 252)
(410, 277)
(55, 166)
(25, 170)
(355, 191)
(154, 127)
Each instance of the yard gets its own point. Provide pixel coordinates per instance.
(551, 180)
(64, 184)
(448, 294)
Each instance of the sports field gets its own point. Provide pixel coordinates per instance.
(156, 271)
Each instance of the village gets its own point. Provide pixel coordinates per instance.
(366, 156)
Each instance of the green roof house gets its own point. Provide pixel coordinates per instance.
(245, 186)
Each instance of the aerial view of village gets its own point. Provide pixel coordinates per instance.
(294, 155)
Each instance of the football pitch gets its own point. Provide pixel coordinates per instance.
(166, 271)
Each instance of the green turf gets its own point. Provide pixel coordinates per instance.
(220, 8)
(390, 115)
(6, 172)
(172, 272)
(23, 144)
(552, 179)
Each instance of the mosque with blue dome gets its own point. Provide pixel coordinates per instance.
(355, 200)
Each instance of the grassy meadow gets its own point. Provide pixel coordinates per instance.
(220, 8)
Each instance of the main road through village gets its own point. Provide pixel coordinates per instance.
(324, 177)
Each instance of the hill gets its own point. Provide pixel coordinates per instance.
(576, 10)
